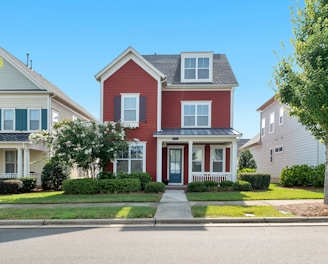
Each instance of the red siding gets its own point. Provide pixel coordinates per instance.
(171, 107)
(131, 78)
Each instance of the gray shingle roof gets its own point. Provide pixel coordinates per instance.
(197, 132)
(170, 65)
(14, 137)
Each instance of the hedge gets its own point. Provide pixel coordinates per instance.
(242, 186)
(155, 187)
(258, 180)
(206, 186)
(10, 186)
(29, 183)
(144, 177)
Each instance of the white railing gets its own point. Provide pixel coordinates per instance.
(14, 175)
(211, 176)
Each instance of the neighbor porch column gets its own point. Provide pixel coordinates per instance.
(234, 161)
(159, 161)
(26, 171)
(190, 143)
(19, 163)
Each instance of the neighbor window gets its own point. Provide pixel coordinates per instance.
(34, 117)
(197, 159)
(263, 127)
(55, 116)
(131, 159)
(217, 159)
(11, 161)
(196, 67)
(271, 126)
(281, 115)
(196, 114)
(278, 149)
(8, 118)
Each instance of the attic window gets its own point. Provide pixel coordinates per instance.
(196, 67)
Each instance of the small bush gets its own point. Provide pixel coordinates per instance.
(155, 187)
(225, 184)
(196, 187)
(10, 186)
(53, 175)
(144, 177)
(258, 180)
(242, 186)
(317, 178)
(80, 186)
(29, 183)
(106, 175)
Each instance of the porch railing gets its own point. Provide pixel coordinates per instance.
(14, 175)
(211, 176)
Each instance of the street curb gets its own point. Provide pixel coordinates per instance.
(154, 221)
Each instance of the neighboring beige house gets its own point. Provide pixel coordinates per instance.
(282, 141)
(28, 103)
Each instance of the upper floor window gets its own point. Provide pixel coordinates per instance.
(196, 114)
(271, 127)
(281, 115)
(8, 117)
(263, 127)
(55, 116)
(130, 109)
(196, 67)
(34, 119)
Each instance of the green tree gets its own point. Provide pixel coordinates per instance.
(246, 160)
(87, 145)
(302, 78)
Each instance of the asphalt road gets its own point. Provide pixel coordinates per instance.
(170, 244)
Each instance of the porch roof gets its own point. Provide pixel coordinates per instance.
(14, 137)
(194, 132)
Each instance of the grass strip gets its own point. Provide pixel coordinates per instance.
(273, 193)
(59, 197)
(112, 212)
(212, 211)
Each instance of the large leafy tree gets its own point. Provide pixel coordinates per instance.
(246, 160)
(302, 78)
(87, 145)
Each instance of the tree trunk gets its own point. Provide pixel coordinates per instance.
(326, 176)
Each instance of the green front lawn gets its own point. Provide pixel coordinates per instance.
(112, 212)
(274, 193)
(59, 197)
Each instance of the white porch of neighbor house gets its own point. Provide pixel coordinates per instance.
(213, 171)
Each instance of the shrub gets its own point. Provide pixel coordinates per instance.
(155, 187)
(106, 175)
(258, 180)
(53, 175)
(318, 176)
(144, 177)
(196, 187)
(242, 186)
(243, 170)
(29, 183)
(10, 186)
(80, 186)
(225, 184)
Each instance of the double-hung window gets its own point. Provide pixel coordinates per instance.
(130, 109)
(196, 67)
(34, 119)
(217, 159)
(131, 159)
(263, 127)
(196, 114)
(11, 161)
(271, 126)
(8, 117)
(281, 115)
(197, 158)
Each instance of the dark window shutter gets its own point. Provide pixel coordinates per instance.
(143, 109)
(117, 108)
(44, 119)
(21, 119)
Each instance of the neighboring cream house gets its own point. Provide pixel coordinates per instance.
(282, 141)
(28, 103)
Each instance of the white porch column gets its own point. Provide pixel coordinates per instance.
(159, 161)
(19, 163)
(26, 171)
(190, 143)
(234, 160)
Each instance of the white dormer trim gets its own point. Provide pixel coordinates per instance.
(197, 56)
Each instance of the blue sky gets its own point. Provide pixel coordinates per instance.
(69, 41)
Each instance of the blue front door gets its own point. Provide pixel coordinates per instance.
(175, 166)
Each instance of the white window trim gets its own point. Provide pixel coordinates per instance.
(263, 127)
(277, 148)
(271, 124)
(5, 162)
(131, 124)
(281, 115)
(209, 103)
(52, 116)
(212, 147)
(3, 119)
(202, 148)
(196, 55)
(28, 119)
(132, 144)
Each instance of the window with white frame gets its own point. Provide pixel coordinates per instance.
(196, 67)
(10, 161)
(34, 119)
(281, 115)
(217, 159)
(263, 127)
(55, 116)
(74, 118)
(196, 114)
(271, 154)
(8, 119)
(130, 108)
(197, 159)
(132, 159)
(271, 125)
(278, 149)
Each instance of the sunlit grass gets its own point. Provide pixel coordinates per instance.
(273, 193)
(212, 211)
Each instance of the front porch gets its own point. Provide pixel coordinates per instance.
(211, 176)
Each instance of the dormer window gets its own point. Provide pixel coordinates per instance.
(196, 67)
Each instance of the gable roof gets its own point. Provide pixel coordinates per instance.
(170, 65)
(43, 84)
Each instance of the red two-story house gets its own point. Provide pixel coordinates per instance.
(179, 110)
